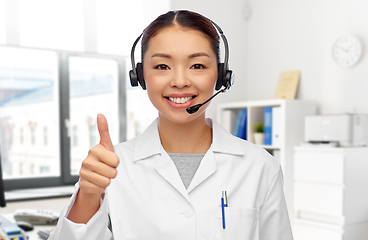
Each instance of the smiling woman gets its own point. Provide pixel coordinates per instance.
(171, 181)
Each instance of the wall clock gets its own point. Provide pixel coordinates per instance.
(347, 51)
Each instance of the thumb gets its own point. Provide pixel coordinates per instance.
(103, 130)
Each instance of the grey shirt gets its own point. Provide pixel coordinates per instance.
(187, 165)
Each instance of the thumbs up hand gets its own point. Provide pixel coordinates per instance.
(96, 173)
(100, 165)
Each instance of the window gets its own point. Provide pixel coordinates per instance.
(20, 136)
(75, 137)
(51, 103)
(92, 135)
(139, 110)
(93, 89)
(29, 97)
(44, 169)
(45, 93)
(45, 137)
(10, 132)
(33, 136)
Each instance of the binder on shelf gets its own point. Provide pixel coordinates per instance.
(276, 126)
(242, 131)
(268, 126)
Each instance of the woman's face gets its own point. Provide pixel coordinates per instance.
(180, 70)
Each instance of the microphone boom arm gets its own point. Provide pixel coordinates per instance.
(195, 108)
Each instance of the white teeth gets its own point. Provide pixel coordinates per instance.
(180, 100)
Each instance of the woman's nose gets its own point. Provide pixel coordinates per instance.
(180, 79)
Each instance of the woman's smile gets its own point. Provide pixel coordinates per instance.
(180, 101)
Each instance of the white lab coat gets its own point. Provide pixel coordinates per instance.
(148, 200)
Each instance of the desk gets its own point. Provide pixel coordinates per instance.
(55, 204)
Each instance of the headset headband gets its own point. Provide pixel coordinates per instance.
(225, 76)
(226, 60)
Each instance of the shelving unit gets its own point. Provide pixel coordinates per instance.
(291, 131)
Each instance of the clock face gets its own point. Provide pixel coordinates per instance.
(347, 51)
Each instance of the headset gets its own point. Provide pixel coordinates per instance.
(225, 77)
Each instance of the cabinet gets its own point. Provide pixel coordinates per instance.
(290, 129)
(331, 192)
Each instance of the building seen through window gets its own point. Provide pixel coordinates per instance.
(30, 125)
(45, 137)
(92, 135)
(28, 104)
(75, 136)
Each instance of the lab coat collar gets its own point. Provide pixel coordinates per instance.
(149, 143)
(222, 141)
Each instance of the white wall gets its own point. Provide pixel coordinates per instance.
(287, 35)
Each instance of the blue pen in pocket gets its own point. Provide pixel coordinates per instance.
(223, 205)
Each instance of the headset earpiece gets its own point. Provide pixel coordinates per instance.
(225, 78)
(137, 76)
(220, 76)
(133, 78)
(140, 75)
(228, 79)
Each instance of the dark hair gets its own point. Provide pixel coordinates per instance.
(185, 19)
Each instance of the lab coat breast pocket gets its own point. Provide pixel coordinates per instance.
(240, 223)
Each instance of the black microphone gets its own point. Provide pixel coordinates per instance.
(195, 108)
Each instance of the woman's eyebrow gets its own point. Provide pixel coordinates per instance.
(160, 55)
(200, 54)
(194, 55)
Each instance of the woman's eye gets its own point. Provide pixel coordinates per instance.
(162, 67)
(197, 66)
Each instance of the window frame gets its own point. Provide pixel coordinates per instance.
(66, 178)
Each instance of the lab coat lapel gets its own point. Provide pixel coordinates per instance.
(167, 169)
(148, 145)
(222, 142)
(207, 167)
